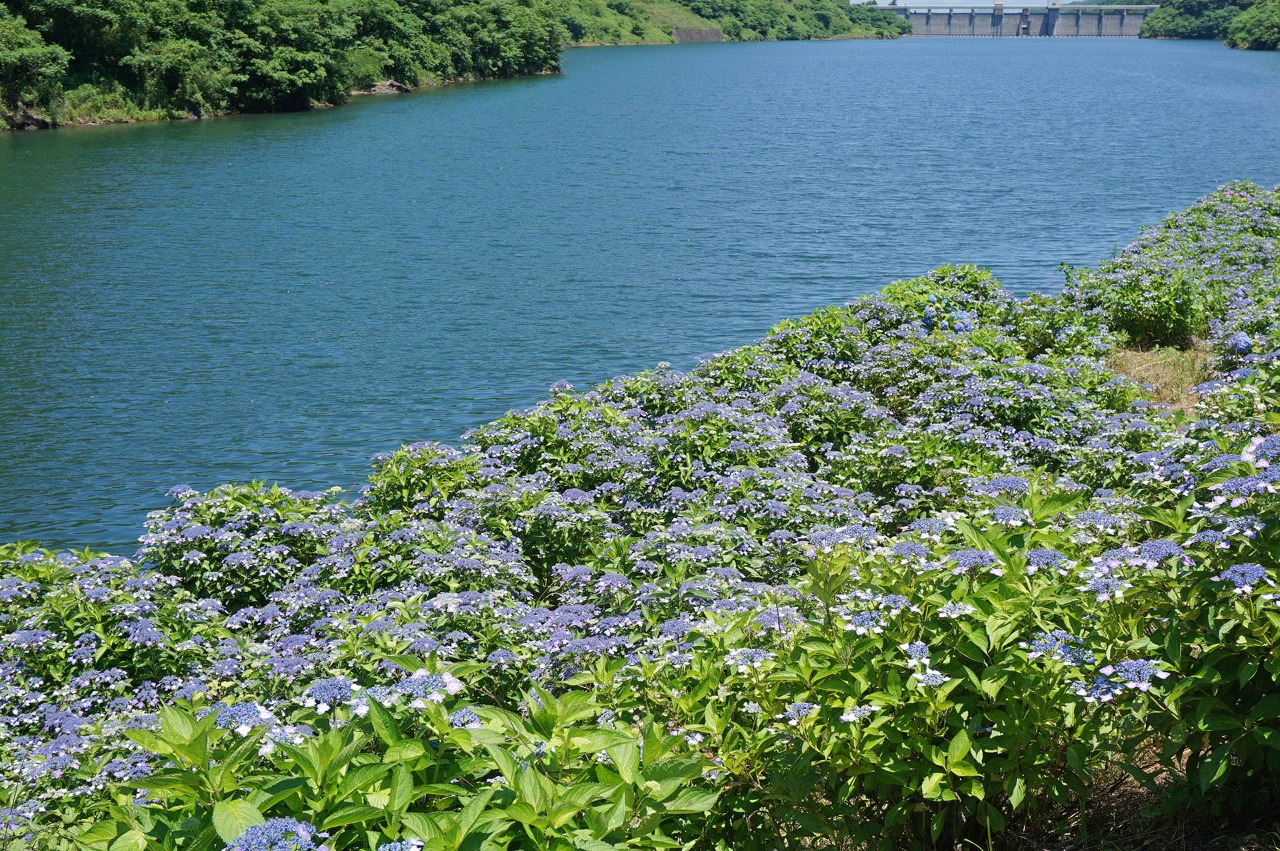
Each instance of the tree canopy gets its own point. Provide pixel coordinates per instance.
(1257, 28)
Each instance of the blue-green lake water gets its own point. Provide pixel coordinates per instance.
(279, 297)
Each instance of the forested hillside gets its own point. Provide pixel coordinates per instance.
(112, 60)
(126, 59)
(641, 21)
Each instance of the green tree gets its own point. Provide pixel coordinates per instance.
(293, 53)
(31, 72)
(181, 74)
(1207, 19)
(1257, 28)
(98, 34)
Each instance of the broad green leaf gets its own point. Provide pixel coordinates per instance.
(176, 725)
(303, 761)
(422, 826)
(232, 818)
(505, 761)
(102, 834)
(529, 787)
(626, 759)
(522, 812)
(959, 748)
(351, 814)
(692, 801)
(205, 839)
(471, 813)
(401, 790)
(358, 779)
(132, 841)
(1214, 766)
(586, 843)
(1018, 793)
(405, 751)
(149, 741)
(230, 766)
(170, 778)
(938, 823)
(273, 793)
(383, 723)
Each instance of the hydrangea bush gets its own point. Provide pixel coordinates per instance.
(903, 573)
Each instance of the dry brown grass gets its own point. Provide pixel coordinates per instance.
(1124, 815)
(1171, 372)
(1121, 815)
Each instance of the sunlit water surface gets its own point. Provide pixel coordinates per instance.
(279, 297)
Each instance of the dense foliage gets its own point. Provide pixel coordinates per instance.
(906, 572)
(1206, 19)
(1257, 28)
(1241, 23)
(137, 58)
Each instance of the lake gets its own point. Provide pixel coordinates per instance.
(279, 297)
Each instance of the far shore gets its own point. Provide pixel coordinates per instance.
(28, 122)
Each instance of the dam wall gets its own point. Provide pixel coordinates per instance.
(1028, 21)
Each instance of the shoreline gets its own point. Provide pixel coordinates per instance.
(31, 123)
(379, 89)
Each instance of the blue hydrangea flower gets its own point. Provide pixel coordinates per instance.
(951, 611)
(1062, 646)
(1262, 451)
(466, 719)
(326, 694)
(1244, 577)
(1043, 558)
(967, 560)
(858, 713)
(1135, 673)
(1105, 588)
(276, 834)
(930, 678)
(1159, 551)
(1239, 343)
(1010, 516)
(405, 844)
(746, 659)
(864, 623)
(917, 653)
(797, 712)
(1013, 486)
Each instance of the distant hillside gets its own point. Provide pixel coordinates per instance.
(652, 21)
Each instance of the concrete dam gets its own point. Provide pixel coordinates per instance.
(1050, 21)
